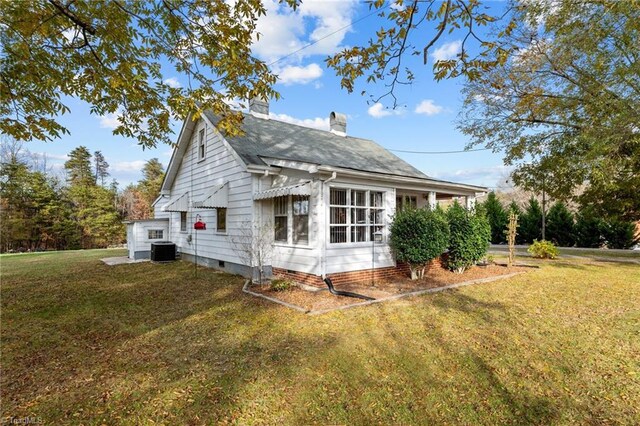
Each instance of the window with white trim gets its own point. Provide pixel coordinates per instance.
(221, 219)
(183, 221)
(300, 204)
(280, 219)
(355, 215)
(155, 234)
(291, 219)
(202, 148)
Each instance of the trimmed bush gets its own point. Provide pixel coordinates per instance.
(281, 284)
(469, 238)
(417, 237)
(543, 250)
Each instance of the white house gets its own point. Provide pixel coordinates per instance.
(325, 198)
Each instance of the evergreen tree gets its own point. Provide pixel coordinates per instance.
(531, 222)
(498, 218)
(149, 186)
(620, 234)
(101, 167)
(78, 167)
(560, 226)
(588, 229)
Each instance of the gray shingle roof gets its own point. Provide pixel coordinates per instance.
(286, 141)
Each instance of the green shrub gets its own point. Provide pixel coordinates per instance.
(418, 236)
(281, 284)
(543, 249)
(469, 238)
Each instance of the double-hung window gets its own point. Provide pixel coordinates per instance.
(183, 221)
(221, 219)
(355, 215)
(291, 219)
(281, 216)
(202, 148)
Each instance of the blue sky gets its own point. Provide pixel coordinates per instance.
(425, 122)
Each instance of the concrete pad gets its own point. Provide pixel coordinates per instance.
(121, 260)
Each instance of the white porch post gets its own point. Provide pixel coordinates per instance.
(470, 201)
(432, 200)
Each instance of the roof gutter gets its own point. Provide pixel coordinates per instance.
(436, 184)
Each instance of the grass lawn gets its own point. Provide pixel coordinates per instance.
(146, 344)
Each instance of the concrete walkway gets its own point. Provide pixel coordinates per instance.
(121, 260)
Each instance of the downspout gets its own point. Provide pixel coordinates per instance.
(260, 224)
(323, 245)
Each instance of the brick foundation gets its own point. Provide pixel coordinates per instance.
(351, 277)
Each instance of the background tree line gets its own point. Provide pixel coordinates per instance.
(564, 227)
(78, 209)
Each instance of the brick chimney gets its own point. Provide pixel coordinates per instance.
(259, 107)
(338, 123)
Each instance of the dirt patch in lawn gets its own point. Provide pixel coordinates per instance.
(434, 278)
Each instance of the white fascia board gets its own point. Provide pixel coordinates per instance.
(410, 182)
(176, 155)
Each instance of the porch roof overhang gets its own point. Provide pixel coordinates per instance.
(302, 188)
(179, 203)
(216, 197)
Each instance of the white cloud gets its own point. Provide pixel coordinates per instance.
(172, 82)
(476, 175)
(447, 51)
(299, 75)
(428, 107)
(378, 110)
(283, 31)
(314, 123)
(128, 166)
(49, 156)
(109, 121)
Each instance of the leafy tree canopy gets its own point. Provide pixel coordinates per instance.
(567, 102)
(109, 55)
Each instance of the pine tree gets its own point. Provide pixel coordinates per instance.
(588, 229)
(149, 186)
(78, 167)
(498, 218)
(101, 167)
(560, 225)
(531, 223)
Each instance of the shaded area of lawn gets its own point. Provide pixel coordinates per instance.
(87, 343)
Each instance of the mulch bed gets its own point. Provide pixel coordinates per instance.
(434, 278)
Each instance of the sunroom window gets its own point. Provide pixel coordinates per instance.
(355, 215)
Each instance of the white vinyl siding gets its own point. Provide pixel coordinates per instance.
(196, 177)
